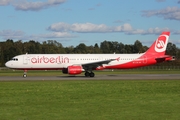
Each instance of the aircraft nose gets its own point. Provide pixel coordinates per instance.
(8, 64)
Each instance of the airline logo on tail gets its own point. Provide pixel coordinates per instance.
(161, 43)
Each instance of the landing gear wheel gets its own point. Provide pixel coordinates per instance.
(86, 74)
(24, 75)
(91, 74)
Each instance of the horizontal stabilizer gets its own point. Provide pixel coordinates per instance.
(165, 57)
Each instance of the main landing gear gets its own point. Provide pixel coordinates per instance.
(89, 74)
(25, 74)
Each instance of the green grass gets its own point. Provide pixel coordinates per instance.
(90, 100)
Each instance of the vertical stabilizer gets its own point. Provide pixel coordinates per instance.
(159, 46)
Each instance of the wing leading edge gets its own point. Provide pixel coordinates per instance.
(96, 65)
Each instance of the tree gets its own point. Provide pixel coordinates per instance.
(81, 48)
(171, 49)
(2, 53)
(121, 48)
(9, 50)
(115, 47)
(138, 48)
(105, 47)
(129, 48)
(69, 49)
(96, 48)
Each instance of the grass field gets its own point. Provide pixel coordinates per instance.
(90, 100)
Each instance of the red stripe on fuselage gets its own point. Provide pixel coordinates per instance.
(134, 64)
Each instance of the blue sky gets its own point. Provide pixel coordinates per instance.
(72, 22)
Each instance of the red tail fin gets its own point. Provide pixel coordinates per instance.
(159, 46)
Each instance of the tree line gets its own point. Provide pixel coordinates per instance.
(10, 48)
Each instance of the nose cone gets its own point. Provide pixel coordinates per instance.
(8, 64)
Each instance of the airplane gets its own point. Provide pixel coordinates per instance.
(74, 64)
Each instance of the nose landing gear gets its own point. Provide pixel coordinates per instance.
(25, 74)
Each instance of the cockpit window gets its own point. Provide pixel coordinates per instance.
(14, 59)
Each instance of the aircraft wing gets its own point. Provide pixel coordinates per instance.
(94, 65)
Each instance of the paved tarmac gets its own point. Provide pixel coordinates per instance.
(97, 77)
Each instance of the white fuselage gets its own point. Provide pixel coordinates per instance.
(59, 61)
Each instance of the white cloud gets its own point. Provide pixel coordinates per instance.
(20, 35)
(35, 6)
(172, 13)
(10, 34)
(126, 27)
(177, 32)
(149, 31)
(57, 35)
(102, 28)
(5, 2)
(64, 30)
(59, 27)
(31, 6)
(88, 28)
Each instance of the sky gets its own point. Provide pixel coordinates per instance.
(72, 22)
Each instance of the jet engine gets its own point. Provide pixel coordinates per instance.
(72, 70)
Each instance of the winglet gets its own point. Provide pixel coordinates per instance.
(118, 58)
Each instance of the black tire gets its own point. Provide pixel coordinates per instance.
(87, 74)
(91, 74)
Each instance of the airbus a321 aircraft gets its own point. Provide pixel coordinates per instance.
(74, 64)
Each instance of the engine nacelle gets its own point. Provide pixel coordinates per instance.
(72, 70)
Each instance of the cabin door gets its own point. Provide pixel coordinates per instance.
(145, 59)
(25, 59)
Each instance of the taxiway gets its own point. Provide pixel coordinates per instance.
(97, 77)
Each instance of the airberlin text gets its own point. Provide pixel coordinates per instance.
(44, 59)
